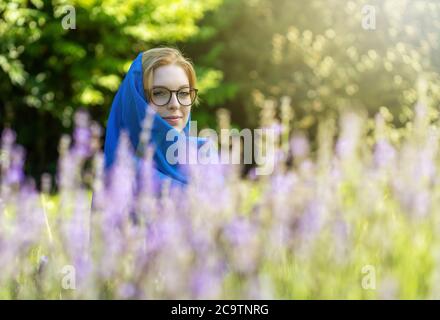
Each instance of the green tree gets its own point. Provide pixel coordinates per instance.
(319, 54)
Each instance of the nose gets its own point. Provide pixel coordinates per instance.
(174, 103)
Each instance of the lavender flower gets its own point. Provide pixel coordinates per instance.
(299, 146)
(289, 234)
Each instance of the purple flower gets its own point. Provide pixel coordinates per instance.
(82, 142)
(122, 187)
(240, 231)
(350, 132)
(15, 174)
(299, 146)
(384, 153)
(206, 284)
(312, 220)
(81, 118)
(127, 290)
(8, 138)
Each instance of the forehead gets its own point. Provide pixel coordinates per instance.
(171, 76)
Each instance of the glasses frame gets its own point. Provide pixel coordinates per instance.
(150, 95)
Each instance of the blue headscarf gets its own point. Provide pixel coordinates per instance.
(128, 111)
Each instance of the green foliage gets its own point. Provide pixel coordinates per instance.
(318, 53)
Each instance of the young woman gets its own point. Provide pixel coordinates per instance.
(165, 81)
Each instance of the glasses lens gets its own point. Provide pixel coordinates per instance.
(160, 96)
(185, 96)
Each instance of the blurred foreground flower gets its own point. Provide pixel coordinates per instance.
(306, 231)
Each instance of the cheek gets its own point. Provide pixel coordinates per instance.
(157, 109)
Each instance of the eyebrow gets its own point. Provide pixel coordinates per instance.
(184, 86)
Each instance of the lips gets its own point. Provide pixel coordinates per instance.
(172, 120)
(172, 117)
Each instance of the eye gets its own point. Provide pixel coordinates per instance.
(184, 93)
(159, 93)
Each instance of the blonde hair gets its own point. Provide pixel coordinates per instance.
(156, 57)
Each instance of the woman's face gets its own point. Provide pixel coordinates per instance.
(172, 77)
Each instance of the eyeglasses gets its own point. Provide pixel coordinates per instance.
(161, 96)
